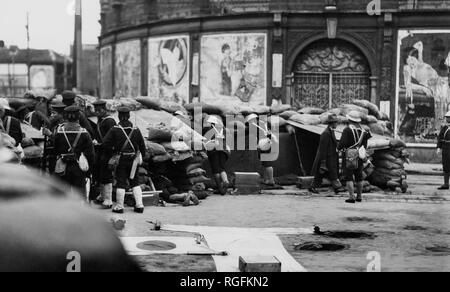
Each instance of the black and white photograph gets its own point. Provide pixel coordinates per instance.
(215, 140)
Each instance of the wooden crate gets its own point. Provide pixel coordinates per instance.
(259, 264)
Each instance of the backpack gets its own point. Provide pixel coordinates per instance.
(354, 153)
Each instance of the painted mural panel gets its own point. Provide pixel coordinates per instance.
(128, 69)
(423, 91)
(233, 68)
(42, 77)
(106, 73)
(169, 68)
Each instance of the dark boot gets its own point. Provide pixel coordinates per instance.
(446, 185)
(218, 180)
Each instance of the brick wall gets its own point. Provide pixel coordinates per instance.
(120, 13)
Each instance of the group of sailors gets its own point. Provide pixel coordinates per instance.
(80, 152)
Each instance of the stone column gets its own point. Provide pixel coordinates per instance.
(373, 89)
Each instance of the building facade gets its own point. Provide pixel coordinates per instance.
(38, 70)
(323, 53)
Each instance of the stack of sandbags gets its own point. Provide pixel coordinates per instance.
(306, 119)
(389, 165)
(189, 175)
(113, 105)
(31, 150)
(158, 134)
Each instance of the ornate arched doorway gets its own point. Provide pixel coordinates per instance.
(329, 73)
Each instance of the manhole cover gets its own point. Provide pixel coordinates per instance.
(321, 246)
(156, 245)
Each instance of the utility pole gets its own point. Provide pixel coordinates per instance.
(78, 46)
(28, 51)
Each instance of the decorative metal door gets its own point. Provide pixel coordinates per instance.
(329, 74)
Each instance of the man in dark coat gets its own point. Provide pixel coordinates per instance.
(443, 146)
(12, 126)
(71, 140)
(126, 141)
(103, 175)
(327, 159)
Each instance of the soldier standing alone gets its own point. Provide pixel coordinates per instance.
(444, 147)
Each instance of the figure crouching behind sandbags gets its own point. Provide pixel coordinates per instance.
(127, 144)
(444, 148)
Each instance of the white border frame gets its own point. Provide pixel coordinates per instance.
(264, 33)
(397, 82)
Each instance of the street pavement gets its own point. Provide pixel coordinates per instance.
(412, 231)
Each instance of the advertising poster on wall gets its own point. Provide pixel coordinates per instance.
(42, 77)
(169, 68)
(423, 88)
(128, 69)
(233, 68)
(106, 72)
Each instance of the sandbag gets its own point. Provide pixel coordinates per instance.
(176, 146)
(229, 109)
(27, 142)
(276, 121)
(396, 173)
(33, 152)
(261, 110)
(311, 111)
(181, 156)
(388, 165)
(376, 129)
(162, 158)
(372, 108)
(288, 114)
(172, 107)
(280, 108)
(155, 149)
(378, 143)
(196, 172)
(159, 133)
(325, 117)
(17, 103)
(347, 108)
(306, 119)
(192, 166)
(246, 110)
(150, 103)
(385, 156)
(206, 108)
(397, 143)
(370, 120)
